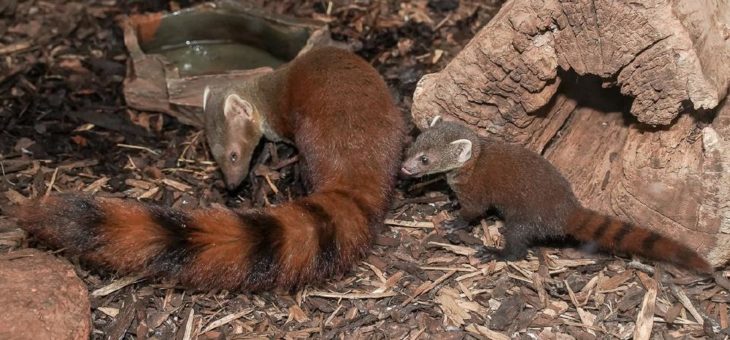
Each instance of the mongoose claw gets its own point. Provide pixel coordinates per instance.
(486, 254)
(457, 224)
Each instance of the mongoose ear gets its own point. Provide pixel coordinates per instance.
(237, 106)
(434, 121)
(464, 148)
(206, 93)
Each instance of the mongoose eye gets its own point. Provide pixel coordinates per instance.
(234, 157)
(424, 159)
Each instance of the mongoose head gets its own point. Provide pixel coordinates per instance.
(443, 147)
(233, 130)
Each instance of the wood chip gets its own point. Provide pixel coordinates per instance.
(78, 164)
(645, 318)
(484, 331)
(377, 271)
(297, 314)
(15, 197)
(447, 300)
(119, 327)
(115, 286)
(113, 312)
(138, 183)
(539, 285)
(615, 281)
(465, 290)
(96, 185)
(587, 319)
(445, 269)
(188, 334)
(409, 224)
(226, 320)
(682, 297)
(673, 312)
(176, 185)
(427, 286)
(461, 250)
(15, 48)
(555, 309)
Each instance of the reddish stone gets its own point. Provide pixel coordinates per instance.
(41, 298)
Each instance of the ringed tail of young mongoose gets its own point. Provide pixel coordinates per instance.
(535, 201)
(338, 112)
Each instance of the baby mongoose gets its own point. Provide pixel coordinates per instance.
(338, 112)
(534, 200)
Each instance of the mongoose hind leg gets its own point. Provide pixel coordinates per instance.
(515, 245)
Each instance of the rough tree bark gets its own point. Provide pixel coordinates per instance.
(663, 160)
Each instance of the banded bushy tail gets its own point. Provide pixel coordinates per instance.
(612, 234)
(338, 112)
(297, 243)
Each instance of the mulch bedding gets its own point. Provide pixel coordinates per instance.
(65, 127)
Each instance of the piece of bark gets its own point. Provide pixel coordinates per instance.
(564, 78)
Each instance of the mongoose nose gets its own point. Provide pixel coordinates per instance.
(231, 186)
(405, 171)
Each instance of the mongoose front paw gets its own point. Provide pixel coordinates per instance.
(457, 224)
(486, 254)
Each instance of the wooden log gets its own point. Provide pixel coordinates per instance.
(622, 96)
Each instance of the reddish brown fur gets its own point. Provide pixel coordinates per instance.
(339, 113)
(534, 199)
(123, 248)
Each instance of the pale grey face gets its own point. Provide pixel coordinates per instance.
(438, 149)
(232, 135)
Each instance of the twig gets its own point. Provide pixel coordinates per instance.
(450, 268)
(332, 316)
(115, 286)
(192, 161)
(285, 163)
(482, 271)
(441, 23)
(351, 296)
(518, 278)
(428, 287)
(410, 224)
(53, 181)
(225, 320)
(271, 184)
(187, 147)
(466, 251)
(423, 184)
(5, 176)
(421, 200)
(137, 147)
